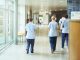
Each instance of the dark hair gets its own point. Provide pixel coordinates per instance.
(30, 19)
(63, 15)
(66, 16)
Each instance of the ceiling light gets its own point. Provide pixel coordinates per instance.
(61, 1)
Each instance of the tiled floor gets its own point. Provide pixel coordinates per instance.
(42, 51)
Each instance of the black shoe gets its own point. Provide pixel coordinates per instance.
(52, 51)
(27, 51)
(32, 52)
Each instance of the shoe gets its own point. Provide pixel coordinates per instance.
(52, 51)
(27, 51)
(32, 52)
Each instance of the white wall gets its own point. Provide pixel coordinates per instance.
(21, 16)
(44, 17)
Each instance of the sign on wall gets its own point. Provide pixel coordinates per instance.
(75, 15)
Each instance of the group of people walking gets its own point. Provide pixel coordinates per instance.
(53, 33)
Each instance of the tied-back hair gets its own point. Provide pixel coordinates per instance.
(53, 17)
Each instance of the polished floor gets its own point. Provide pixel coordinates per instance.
(41, 51)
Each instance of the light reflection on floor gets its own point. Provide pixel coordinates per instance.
(42, 51)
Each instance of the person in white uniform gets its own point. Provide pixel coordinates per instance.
(30, 36)
(65, 32)
(53, 33)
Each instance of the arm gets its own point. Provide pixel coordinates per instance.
(25, 29)
(49, 26)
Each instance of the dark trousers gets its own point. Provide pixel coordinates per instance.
(53, 43)
(64, 37)
(30, 44)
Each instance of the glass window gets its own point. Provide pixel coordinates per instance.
(6, 21)
(2, 37)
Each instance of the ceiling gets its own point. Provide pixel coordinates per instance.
(49, 5)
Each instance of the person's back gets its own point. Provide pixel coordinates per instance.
(61, 21)
(65, 26)
(65, 32)
(30, 36)
(53, 28)
(53, 33)
(30, 28)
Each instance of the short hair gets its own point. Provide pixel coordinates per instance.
(30, 19)
(27, 20)
(66, 16)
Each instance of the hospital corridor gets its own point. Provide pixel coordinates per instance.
(39, 29)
